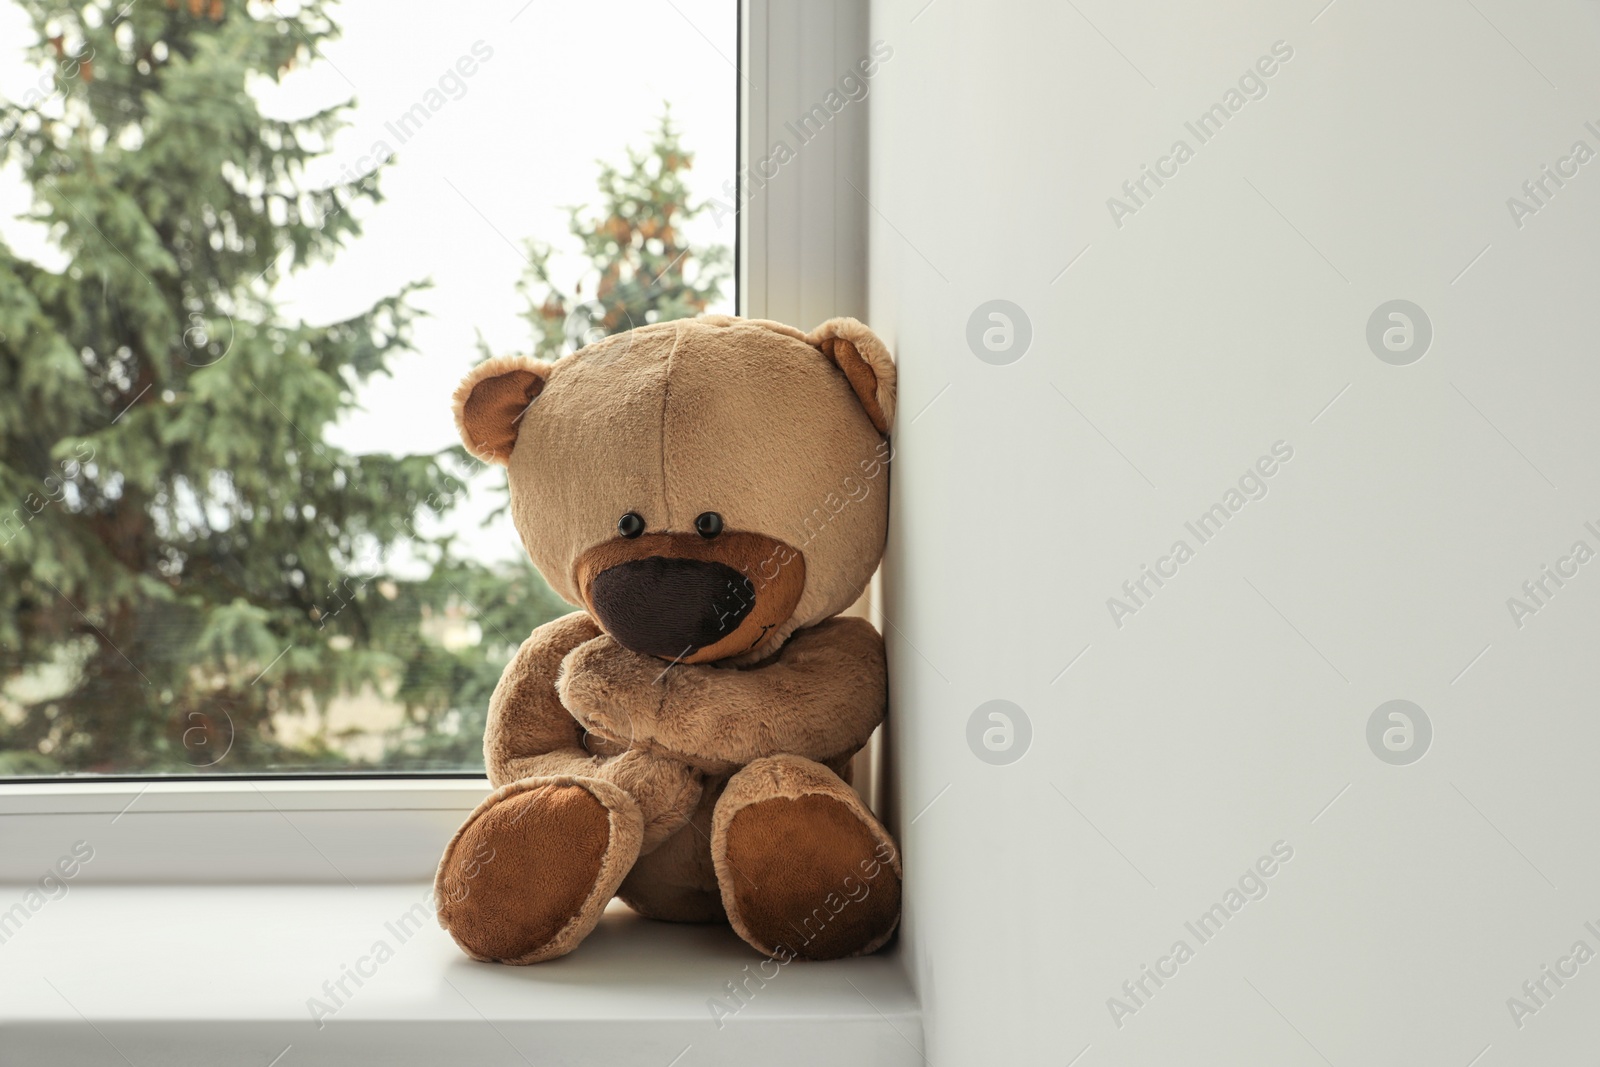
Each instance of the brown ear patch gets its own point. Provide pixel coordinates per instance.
(861, 378)
(491, 401)
(866, 364)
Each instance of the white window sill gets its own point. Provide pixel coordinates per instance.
(245, 831)
(156, 974)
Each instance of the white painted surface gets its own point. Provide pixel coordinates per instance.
(803, 226)
(1230, 711)
(234, 830)
(223, 975)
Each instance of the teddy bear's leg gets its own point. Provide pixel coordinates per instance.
(805, 870)
(676, 882)
(533, 867)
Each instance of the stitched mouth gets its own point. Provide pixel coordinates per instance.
(760, 637)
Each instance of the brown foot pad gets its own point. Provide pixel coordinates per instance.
(527, 876)
(812, 876)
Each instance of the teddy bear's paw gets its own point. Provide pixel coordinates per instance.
(529, 873)
(805, 869)
(610, 691)
(667, 792)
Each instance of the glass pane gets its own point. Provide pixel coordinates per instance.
(246, 251)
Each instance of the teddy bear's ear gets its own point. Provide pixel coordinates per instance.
(866, 363)
(491, 401)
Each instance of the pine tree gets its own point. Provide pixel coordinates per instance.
(183, 555)
(640, 265)
(185, 560)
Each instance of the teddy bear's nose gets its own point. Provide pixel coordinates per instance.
(671, 607)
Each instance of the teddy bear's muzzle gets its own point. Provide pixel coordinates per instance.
(692, 598)
(671, 607)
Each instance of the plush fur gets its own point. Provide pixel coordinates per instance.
(821, 698)
(560, 843)
(659, 780)
(489, 417)
(805, 869)
(715, 414)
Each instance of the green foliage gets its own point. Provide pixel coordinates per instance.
(641, 267)
(185, 561)
(191, 574)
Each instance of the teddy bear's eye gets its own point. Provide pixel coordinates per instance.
(708, 524)
(630, 525)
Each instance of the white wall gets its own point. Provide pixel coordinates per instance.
(1225, 716)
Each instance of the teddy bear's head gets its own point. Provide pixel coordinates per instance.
(703, 487)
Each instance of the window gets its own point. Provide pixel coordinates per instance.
(344, 856)
(262, 242)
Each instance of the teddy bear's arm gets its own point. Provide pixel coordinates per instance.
(531, 734)
(821, 698)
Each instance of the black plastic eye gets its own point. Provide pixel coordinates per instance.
(630, 525)
(708, 525)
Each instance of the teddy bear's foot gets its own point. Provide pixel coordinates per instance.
(533, 867)
(805, 870)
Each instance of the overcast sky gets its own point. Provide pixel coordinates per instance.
(563, 86)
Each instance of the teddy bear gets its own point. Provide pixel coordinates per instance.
(710, 493)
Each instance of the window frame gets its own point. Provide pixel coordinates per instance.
(800, 256)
